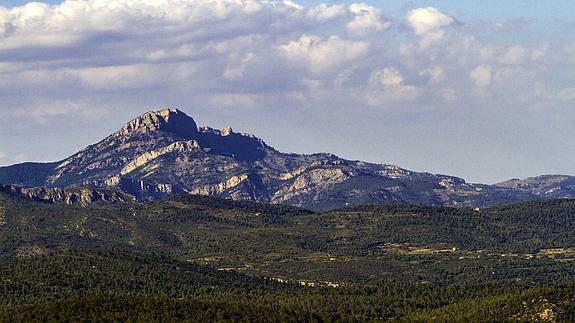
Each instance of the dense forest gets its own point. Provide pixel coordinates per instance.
(192, 258)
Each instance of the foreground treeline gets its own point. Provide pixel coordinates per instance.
(124, 286)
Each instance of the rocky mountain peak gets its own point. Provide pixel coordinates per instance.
(166, 120)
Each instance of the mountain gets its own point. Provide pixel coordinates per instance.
(548, 186)
(164, 152)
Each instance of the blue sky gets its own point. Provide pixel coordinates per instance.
(484, 90)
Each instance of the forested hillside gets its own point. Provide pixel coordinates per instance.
(199, 258)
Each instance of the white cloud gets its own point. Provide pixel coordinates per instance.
(425, 20)
(514, 55)
(435, 73)
(119, 77)
(324, 12)
(292, 4)
(367, 19)
(250, 53)
(321, 55)
(448, 95)
(387, 87)
(427, 23)
(388, 76)
(134, 22)
(3, 20)
(513, 74)
(237, 65)
(30, 15)
(481, 75)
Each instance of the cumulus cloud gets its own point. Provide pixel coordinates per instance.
(325, 12)
(388, 76)
(481, 75)
(426, 20)
(237, 65)
(435, 73)
(320, 55)
(366, 19)
(427, 23)
(387, 86)
(513, 55)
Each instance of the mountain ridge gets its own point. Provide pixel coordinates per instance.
(164, 152)
(71, 196)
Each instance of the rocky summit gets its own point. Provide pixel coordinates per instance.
(164, 152)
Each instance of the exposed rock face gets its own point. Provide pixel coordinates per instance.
(167, 120)
(72, 196)
(179, 147)
(164, 152)
(309, 183)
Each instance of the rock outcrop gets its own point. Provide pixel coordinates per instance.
(73, 196)
(166, 120)
(181, 147)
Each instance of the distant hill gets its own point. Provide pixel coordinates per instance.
(354, 243)
(548, 186)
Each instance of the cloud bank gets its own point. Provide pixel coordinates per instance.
(251, 48)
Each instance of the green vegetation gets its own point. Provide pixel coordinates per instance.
(120, 285)
(203, 259)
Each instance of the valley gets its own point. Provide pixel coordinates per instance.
(278, 254)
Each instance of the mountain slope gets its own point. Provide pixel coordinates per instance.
(164, 152)
(549, 186)
(26, 174)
